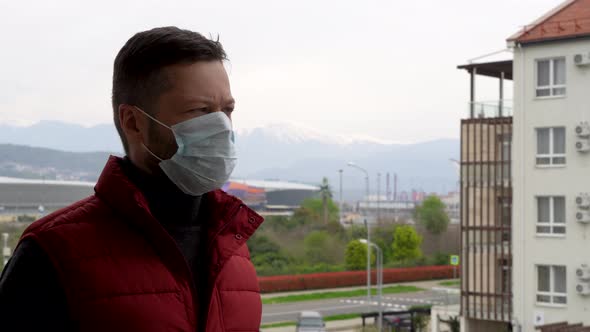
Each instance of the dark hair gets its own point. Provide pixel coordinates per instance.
(137, 74)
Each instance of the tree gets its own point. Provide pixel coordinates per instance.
(406, 243)
(383, 237)
(355, 257)
(261, 244)
(267, 256)
(321, 247)
(420, 322)
(432, 215)
(325, 194)
(453, 322)
(311, 211)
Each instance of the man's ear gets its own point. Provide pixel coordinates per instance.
(130, 123)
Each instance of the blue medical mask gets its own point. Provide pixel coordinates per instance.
(206, 154)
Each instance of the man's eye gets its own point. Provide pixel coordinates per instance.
(228, 110)
(200, 110)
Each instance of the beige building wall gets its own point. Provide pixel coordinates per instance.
(530, 181)
(486, 250)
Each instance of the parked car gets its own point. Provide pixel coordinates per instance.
(310, 321)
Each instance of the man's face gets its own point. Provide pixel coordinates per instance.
(195, 90)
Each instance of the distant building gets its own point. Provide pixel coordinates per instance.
(386, 210)
(37, 197)
(40, 197)
(452, 202)
(254, 197)
(281, 195)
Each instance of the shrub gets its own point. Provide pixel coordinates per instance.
(350, 278)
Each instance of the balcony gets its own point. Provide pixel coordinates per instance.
(501, 70)
(490, 109)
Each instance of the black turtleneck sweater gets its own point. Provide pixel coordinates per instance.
(31, 296)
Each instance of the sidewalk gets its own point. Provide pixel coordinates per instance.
(349, 325)
(428, 284)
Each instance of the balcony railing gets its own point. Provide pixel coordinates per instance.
(490, 109)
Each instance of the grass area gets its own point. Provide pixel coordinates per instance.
(450, 283)
(326, 319)
(273, 325)
(339, 294)
(341, 317)
(421, 306)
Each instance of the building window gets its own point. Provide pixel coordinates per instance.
(551, 284)
(550, 146)
(551, 77)
(504, 217)
(551, 215)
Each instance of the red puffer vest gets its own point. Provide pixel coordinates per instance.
(122, 271)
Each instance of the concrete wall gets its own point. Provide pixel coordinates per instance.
(530, 181)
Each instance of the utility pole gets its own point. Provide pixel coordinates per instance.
(368, 266)
(341, 202)
(378, 197)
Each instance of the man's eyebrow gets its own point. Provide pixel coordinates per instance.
(199, 99)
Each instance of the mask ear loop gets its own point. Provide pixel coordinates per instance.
(150, 151)
(151, 117)
(158, 122)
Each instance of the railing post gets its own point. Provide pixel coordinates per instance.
(472, 97)
(501, 104)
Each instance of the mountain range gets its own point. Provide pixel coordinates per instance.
(278, 151)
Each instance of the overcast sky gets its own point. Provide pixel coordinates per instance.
(385, 69)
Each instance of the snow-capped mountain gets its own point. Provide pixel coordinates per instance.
(278, 151)
(292, 133)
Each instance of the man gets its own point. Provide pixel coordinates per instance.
(158, 247)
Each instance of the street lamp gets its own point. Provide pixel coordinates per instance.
(5, 249)
(341, 204)
(379, 279)
(378, 196)
(353, 165)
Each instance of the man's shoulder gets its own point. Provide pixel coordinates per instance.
(83, 211)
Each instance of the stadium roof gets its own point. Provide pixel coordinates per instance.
(266, 185)
(277, 185)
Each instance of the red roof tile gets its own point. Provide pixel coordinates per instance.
(570, 20)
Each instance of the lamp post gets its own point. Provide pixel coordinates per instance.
(5, 249)
(379, 279)
(341, 203)
(353, 165)
(378, 197)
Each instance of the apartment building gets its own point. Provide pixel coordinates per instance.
(486, 201)
(551, 169)
(525, 182)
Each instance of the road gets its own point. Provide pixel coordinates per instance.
(273, 313)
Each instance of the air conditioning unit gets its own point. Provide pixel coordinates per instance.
(583, 145)
(583, 129)
(583, 217)
(583, 201)
(583, 272)
(583, 289)
(582, 59)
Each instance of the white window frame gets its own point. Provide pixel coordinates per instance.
(552, 86)
(552, 293)
(551, 155)
(551, 224)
